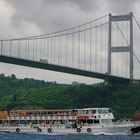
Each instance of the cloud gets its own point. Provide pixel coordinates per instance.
(121, 6)
(51, 15)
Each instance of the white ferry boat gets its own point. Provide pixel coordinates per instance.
(62, 121)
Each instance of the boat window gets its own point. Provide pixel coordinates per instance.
(105, 111)
(82, 121)
(102, 111)
(30, 113)
(99, 111)
(90, 121)
(94, 111)
(80, 111)
(96, 121)
(106, 121)
(62, 122)
(109, 111)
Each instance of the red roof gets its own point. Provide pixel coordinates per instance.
(137, 116)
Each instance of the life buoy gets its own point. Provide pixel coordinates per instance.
(39, 130)
(78, 130)
(18, 130)
(89, 130)
(49, 130)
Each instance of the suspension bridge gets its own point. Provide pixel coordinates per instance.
(102, 48)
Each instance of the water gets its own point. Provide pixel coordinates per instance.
(15, 136)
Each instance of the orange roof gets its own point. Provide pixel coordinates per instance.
(3, 115)
(43, 110)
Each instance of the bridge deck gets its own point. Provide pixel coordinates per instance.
(58, 68)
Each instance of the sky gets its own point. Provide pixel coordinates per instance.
(19, 18)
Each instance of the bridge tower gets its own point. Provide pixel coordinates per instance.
(122, 49)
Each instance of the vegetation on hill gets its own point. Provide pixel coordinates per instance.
(124, 100)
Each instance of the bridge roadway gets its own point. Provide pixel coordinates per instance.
(53, 67)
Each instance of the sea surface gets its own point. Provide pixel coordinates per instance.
(15, 136)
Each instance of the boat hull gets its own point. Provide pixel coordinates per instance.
(62, 130)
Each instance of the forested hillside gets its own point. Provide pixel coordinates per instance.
(124, 100)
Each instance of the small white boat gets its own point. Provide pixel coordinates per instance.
(62, 121)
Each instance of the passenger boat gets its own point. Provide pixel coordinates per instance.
(62, 121)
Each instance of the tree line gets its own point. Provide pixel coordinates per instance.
(26, 93)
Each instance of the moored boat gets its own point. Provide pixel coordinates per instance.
(136, 119)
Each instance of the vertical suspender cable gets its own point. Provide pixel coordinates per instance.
(122, 53)
(33, 48)
(73, 48)
(26, 44)
(36, 50)
(28, 49)
(10, 48)
(54, 48)
(1, 46)
(96, 47)
(117, 53)
(61, 48)
(51, 48)
(84, 47)
(90, 44)
(66, 50)
(40, 48)
(100, 46)
(79, 48)
(44, 46)
(58, 41)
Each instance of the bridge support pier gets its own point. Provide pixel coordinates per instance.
(122, 49)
